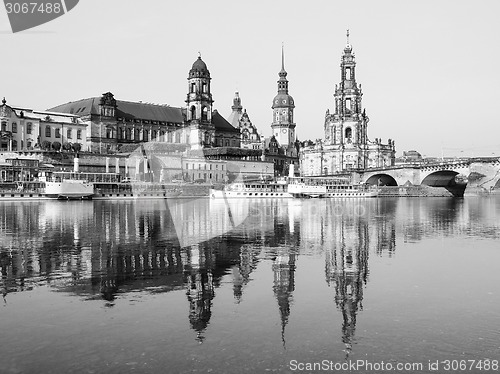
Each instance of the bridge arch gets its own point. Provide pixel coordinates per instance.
(381, 179)
(441, 178)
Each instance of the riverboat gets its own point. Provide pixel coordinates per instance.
(252, 190)
(315, 187)
(67, 185)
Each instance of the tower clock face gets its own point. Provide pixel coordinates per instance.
(283, 131)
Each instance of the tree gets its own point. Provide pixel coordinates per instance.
(46, 145)
(67, 146)
(56, 146)
(77, 147)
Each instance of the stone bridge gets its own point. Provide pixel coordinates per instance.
(482, 174)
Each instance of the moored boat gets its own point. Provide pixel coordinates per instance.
(252, 190)
(329, 188)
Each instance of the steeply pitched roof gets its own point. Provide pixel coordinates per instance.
(221, 124)
(124, 109)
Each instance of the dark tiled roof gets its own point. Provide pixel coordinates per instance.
(221, 124)
(124, 109)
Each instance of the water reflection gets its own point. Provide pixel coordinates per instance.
(102, 250)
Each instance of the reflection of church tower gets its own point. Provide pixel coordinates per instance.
(284, 285)
(283, 126)
(200, 290)
(347, 269)
(199, 106)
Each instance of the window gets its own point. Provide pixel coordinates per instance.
(154, 134)
(348, 104)
(348, 133)
(14, 145)
(137, 134)
(29, 126)
(58, 133)
(145, 135)
(193, 112)
(177, 137)
(4, 126)
(68, 133)
(48, 132)
(78, 134)
(14, 127)
(170, 137)
(204, 87)
(109, 133)
(193, 87)
(204, 113)
(348, 73)
(128, 134)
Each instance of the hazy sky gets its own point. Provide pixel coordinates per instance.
(429, 70)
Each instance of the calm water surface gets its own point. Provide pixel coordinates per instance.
(247, 286)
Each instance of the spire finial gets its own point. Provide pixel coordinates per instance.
(4, 101)
(199, 54)
(282, 55)
(347, 36)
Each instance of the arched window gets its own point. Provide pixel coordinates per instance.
(137, 135)
(129, 134)
(193, 112)
(204, 113)
(193, 87)
(204, 87)
(48, 132)
(162, 135)
(4, 126)
(170, 137)
(145, 135)
(348, 133)
(154, 134)
(177, 137)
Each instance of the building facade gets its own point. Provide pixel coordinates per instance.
(24, 129)
(346, 145)
(113, 124)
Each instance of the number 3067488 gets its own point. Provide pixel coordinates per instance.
(24, 8)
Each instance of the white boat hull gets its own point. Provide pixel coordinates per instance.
(222, 194)
(69, 189)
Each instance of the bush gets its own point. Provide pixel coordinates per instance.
(77, 147)
(46, 145)
(56, 146)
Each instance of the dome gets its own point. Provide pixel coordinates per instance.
(283, 101)
(199, 65)
(199, 69)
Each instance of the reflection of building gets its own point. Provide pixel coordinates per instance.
(347, 272)
(284, 284)
(346, 145)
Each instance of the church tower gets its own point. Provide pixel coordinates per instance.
(347, 126)
(199, 106)
(283, 127)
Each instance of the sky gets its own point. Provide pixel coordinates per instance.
(429, 70)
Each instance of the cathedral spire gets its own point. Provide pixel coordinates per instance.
(283, 57)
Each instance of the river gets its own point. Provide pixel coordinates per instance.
(250, 286)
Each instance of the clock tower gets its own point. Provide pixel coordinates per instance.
(283, 127)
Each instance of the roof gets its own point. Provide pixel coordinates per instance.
(221, 124)
(124, 109)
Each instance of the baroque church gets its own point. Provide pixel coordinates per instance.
(346, 145)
